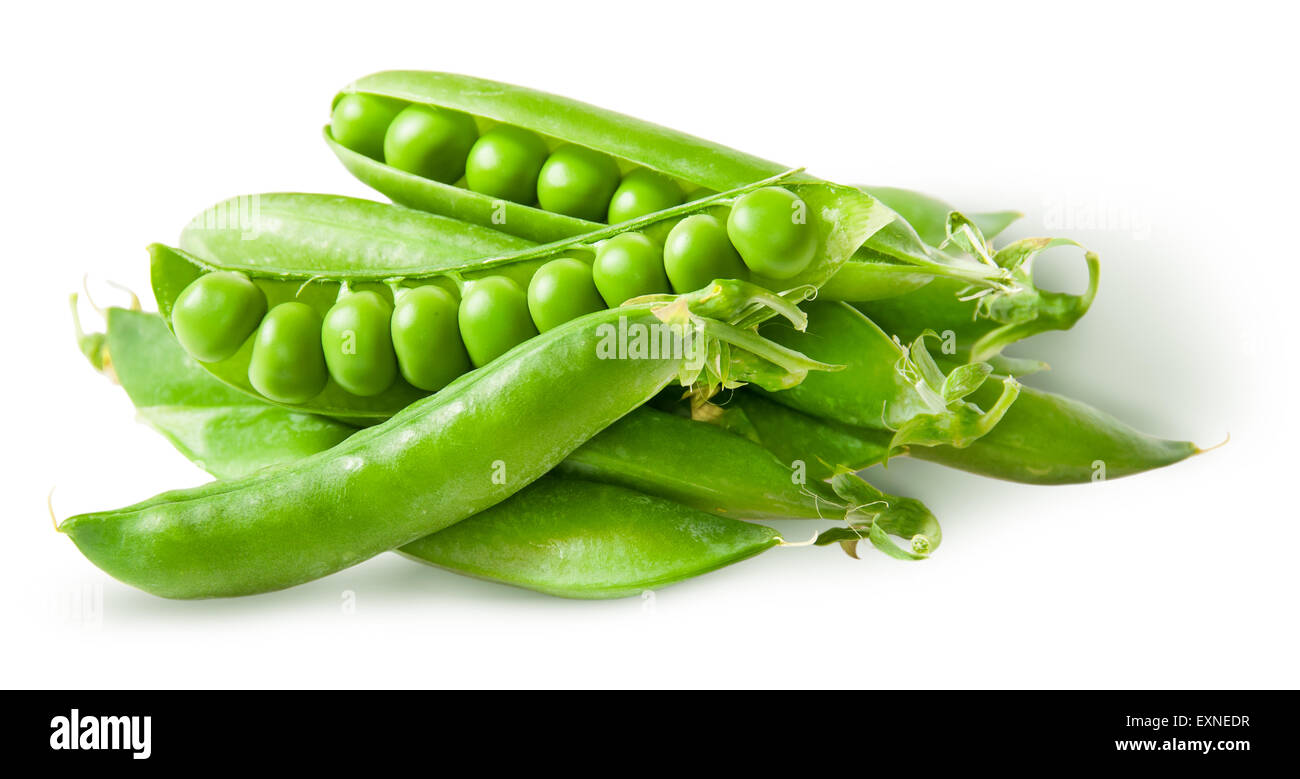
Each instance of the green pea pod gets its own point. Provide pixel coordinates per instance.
(223, 431)
(974, 326)
(823, 446)
(317, 249)
(579, 539)
(230, 434)
(558, 535)
(1052, 439)
(439, 461)
(887, 386)
(298, 236)
(892, 262)
(929, 215)
(1044, 438)
(974, 331)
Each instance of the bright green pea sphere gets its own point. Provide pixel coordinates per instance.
(430, 142)
(356, 337)
(561, 290)
(643, 192)
(287, 365)
(215, 314)
(697, 251)
(505, 163)
(627, 266)
(426, 337)
(578, 182)
(770, 228)
(360, 121)
(494, 318)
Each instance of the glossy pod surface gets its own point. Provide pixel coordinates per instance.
(230, 434)
(579, 539)
(1043, 438)
(441, 460)
(560, 536)
(1052, 439)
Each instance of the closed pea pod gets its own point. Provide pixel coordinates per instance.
(357, 340)
(441, 460)
(360, 121)
(570, 536)
(698, 251)
(430, 142)
(426, 337)
(215, 314)
(231, 434)
(601, 541)
(821, 444)
(561, 290)
(1047, 438)
(578, 182)
(561, 536)
(1043, 438)
(494, 319)
(627, 266)
(287, 363)
(643, 192)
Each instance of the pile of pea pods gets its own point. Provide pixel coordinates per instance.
(578, 353)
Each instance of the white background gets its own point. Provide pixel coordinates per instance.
(1164, 139)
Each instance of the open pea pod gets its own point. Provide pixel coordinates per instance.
(225, 432)
(421, 137)
(975, 326)
(321, 252)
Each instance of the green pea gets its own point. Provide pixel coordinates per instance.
(426, 337)
(215, 314)
(494, 319)
(562, 290)
(288, 365)
(358, 343)
(430, 142)
(627, 266)
(643, 192)
(697, 251)
(505, 163)
(770, 229)
(360, 121)
(578, 182)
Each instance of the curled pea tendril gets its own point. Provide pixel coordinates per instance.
(874, 516)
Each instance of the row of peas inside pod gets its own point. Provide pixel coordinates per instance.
(501, 160)
(431, 329)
